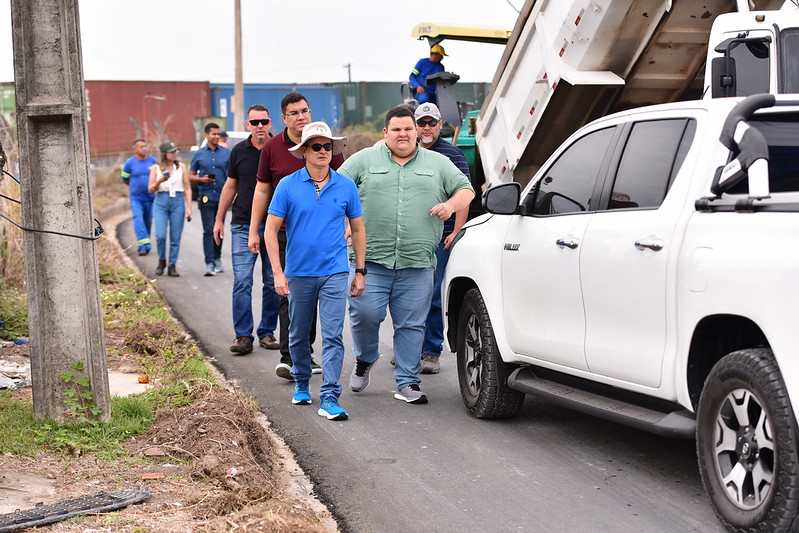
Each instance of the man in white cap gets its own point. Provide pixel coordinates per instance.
(424, 67)
(428, 128)
(315, 202)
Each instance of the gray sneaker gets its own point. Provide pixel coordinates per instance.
(359, 379)
(430, 364)
(411, 394)
(218, 266)
(209, 270)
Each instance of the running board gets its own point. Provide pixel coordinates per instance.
(606, 402)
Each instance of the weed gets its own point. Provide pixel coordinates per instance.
(13, 311)
(22, 434)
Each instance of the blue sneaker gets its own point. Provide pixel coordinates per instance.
(302, 396)
(218, 266)
(331, 409)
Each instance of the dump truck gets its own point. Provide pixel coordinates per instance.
(567, 63)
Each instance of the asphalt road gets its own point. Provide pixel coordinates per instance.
(399, 467)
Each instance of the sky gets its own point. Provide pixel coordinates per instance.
(291, 41)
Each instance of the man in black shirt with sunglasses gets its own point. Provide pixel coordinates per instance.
(238, 191)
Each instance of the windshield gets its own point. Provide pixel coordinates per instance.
(790, 61)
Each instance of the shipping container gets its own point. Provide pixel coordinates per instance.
(323, 101)
(120, 111)
(367, 101)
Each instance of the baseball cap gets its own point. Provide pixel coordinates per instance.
(427, 110)
(167, 147)
(438, 49)
(318, 129)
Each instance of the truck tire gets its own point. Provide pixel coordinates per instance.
(482, 375)
(746, 443)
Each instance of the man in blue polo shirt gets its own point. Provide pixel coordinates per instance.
(209, 169)
(314, 202)
(136, 175)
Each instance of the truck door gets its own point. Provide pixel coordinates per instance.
(543, 307)
(626, 251)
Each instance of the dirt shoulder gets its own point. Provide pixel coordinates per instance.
(211, 465)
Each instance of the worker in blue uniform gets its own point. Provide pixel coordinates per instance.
(425, 92)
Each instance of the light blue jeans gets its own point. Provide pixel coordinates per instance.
(243, 264)
(407, 293)
(171, 211)
(331, 294)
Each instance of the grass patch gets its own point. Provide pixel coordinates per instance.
(138, 321)
(13, 311)
(22, 434)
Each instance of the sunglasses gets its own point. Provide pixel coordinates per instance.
(423, 123)
(318, 146)
(260, 121)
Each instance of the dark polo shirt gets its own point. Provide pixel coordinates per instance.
(242, 167)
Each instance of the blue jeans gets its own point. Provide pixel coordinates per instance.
(434, 327)
(407, 293)
(331, 294)
(142, 209)
(211, 249)
(243, 264)
(168, 210)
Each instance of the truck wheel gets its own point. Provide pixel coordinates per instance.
(746, 443)
(482, 374)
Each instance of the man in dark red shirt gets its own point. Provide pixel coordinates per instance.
(276, 163)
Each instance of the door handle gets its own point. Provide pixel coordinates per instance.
(653, 244)
(568, 243)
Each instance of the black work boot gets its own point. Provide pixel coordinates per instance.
(160, 268)
(172, 271)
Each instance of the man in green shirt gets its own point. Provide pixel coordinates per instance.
(406, 194)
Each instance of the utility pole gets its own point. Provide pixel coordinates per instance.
(238, 88)
(64, 310)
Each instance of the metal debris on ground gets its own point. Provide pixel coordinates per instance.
(56, 512)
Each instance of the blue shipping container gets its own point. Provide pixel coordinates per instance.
(324, 102)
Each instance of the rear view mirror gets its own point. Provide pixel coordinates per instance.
(502, 199)
(723, 77)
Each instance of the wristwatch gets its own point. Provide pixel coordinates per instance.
(361, 271)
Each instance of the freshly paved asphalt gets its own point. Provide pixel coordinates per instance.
(398, 467)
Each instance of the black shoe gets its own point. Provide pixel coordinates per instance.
(172, 271)
(160, 268)
(144, 252)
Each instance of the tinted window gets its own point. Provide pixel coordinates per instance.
(569, 183)
(652, 156)
(790, 67)
(751, 68)
(782, 135)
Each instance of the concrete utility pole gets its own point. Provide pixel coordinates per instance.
(238, 88)
(64, 310)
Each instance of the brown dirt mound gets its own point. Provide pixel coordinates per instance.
(219, 435)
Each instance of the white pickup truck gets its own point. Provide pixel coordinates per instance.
(649, 273)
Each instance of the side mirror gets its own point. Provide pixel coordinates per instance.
(723, 77)
(502, 199)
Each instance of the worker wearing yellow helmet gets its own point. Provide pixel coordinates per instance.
(425, 92)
